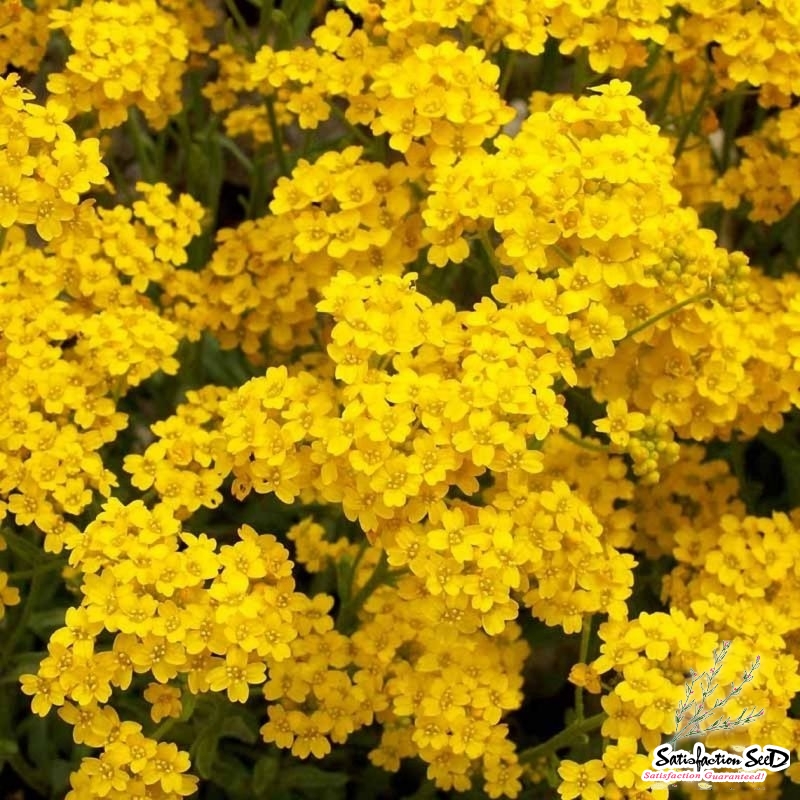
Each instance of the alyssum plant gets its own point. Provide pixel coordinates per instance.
(373, 369)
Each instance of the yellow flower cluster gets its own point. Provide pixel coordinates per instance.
(612, 32)
(750, 42)
(437, 686)
(126, 54)
(488, 342)
(601, 276)
(132, 765)
(338, 213)
(43, 168)
(773, 150)
(231, 95)
(111, 256)
(734, 581)
(754, 43)
(71, 310)
(442, 92)
(215, 618)
(179, 467)
(726, 370)
(736, 574)
(437, 87)
(663, 509)
(24, 33)
(651, 654)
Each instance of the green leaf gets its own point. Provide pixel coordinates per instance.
(199, 170)
(230, 32)
(189, 704)
(204, 751)
(344, 578)
(426, 791)
(26, 550)
(308, 777)
(8, 747)
(60, 770)
(265, 774)
(233, 777)
(28, 662)
(236, 727)
(223, 367)
(43, 623)
(372, 782)
(41, 747)
(301, 18)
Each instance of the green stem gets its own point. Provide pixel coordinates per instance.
(217, 177)
(566, 737)
(264, 20)
(507, 72)
(257, 202)
(161, 150)
(22, 622)
(241, 25)
(671, 310)
(282, 40)
(26, 550)
(164, 728)
(562, 253)
(639, 76)
(694, 117)
(346, 574)
(359, 555)
(277, 137)
(737, 462)
(348, 613)
(583, 654)
(663, 104)
(486, 244)
(24, 574)
(597, 448)
(363, 138)
(234, 149)
(141, 145)
(549, 66)
(581, 72)
(731, 118)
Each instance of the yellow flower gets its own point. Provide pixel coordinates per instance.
(585, 676)
(310, 108)
(165, 701)
(310, 733)
(597, 331)
(623, 762)
(619, 422)
(581, 780)
(166, 768)
(235, 675)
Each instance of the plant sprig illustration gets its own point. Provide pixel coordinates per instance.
(691, 714)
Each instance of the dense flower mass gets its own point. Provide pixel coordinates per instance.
(376, 371)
